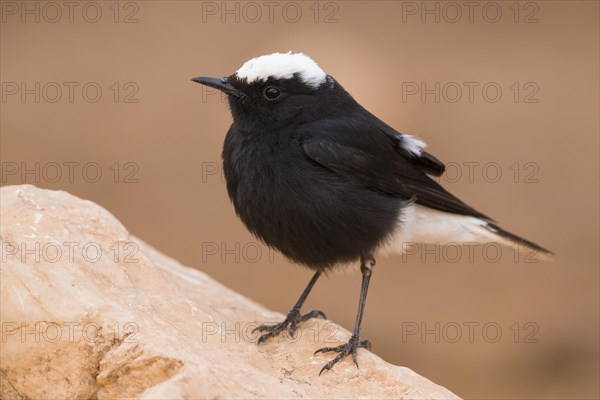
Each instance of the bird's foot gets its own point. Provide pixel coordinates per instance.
(293, 319)
(344, 350)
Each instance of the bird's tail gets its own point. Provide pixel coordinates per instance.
(510, 239)
(423, 225)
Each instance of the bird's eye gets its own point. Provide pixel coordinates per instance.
(272, 93)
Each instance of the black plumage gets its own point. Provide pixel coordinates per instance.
(318, 177)
(329, 184)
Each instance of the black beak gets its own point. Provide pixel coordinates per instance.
(218, 83)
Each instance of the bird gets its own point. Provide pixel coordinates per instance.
(314, 175)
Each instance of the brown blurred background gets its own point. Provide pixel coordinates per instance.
(156, 137)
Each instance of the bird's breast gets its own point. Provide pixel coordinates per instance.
(312, 215)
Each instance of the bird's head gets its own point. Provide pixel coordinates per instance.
(278, 89)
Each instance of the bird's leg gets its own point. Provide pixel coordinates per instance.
(293, 318)
(366, 267)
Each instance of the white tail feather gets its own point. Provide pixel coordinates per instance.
(423, 225)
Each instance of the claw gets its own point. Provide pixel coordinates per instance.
(292, 320)
(344, 350)
(354, 359)
(266, 336)
(313, 314)
(261, 328)
(366, 344)
(326, 349)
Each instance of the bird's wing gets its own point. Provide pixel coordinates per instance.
(428, 163)
(409, 147)
(360, 152)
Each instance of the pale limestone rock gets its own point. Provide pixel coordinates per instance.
(134, 323)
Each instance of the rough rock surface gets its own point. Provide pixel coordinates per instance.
(89, 311)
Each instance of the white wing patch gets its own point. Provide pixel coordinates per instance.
(412, 144)
(283, 66)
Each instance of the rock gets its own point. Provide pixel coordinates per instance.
(89, 311)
